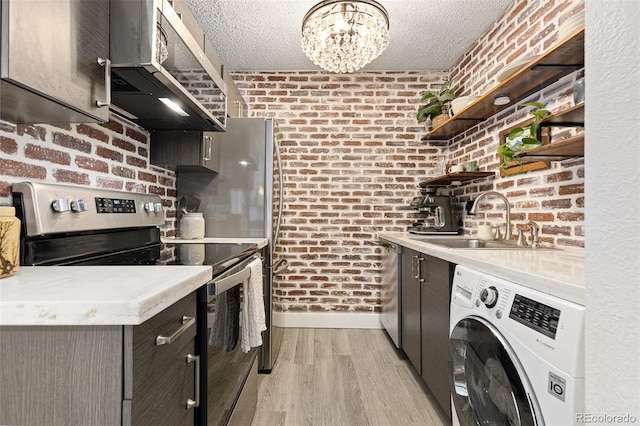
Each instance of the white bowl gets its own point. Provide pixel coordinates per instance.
(458, 104)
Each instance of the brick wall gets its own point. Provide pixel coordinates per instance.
(353, 158)
(113, 155)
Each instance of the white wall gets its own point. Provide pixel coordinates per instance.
(612, 235)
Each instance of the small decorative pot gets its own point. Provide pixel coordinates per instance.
(9, 241)
(439, 119)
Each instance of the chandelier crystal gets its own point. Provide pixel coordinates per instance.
(344, 36)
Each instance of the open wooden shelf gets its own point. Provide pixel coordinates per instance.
(449, 178)
(562, 59)
(524, 167)
(556, 151)
(564, 148)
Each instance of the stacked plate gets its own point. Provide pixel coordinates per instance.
(514, 66)
(571, 25)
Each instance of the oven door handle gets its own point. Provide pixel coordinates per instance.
(224, 284)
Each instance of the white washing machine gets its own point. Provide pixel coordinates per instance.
(516, 354)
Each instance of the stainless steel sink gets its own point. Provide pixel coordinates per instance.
(466, 243)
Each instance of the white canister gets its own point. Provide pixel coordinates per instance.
(485, 232)
(9, 241)
(192, 226)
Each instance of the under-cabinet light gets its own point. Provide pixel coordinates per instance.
(174, 106)
(501, 100)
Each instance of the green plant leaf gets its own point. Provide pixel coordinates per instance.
(516, 132)
(534, 104)
(427, 96)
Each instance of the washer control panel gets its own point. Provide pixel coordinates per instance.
(536, 315)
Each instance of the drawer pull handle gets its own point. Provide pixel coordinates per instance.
(186, 323)
(190, 402)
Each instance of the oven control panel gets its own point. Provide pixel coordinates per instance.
(51, 208)
(115, 205)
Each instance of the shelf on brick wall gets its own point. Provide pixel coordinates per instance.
(571, 147)
(562, 59)
(450, 178)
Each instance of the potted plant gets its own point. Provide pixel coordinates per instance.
(522, 138)
(434, 104)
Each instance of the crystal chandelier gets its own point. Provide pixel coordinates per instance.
(344, 36)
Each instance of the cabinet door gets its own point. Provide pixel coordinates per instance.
(186, 150)
(163, 379)
(435, 300)
(50, 50)
(410, 317)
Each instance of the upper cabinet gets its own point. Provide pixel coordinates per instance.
(562, 59)
(162, 77)
(54, 61)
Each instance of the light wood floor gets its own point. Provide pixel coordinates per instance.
(342, 377)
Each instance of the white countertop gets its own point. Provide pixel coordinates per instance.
(94, 295)
(556, 272)
(260, 242)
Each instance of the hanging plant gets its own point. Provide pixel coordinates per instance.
(522, 138)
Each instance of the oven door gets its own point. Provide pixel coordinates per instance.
(231, 389)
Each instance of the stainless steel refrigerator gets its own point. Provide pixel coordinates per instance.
(244, 199)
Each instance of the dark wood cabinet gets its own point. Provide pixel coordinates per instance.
(54, 61)
(101, 375)
(410, 316)
(435, 297)
(161, 377)
(426, 295)
(186, 150)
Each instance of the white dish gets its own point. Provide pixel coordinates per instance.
(458, 104)
(515, 66)
(571, 25)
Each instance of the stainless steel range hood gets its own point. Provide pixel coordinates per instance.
(161, 77)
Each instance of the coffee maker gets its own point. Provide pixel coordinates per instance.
(437, 213)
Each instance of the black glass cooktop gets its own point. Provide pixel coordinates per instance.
(219, 255)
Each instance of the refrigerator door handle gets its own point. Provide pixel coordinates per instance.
(280, 266)
(280, 192)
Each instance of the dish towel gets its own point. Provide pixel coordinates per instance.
(252, 318)
(225, 328)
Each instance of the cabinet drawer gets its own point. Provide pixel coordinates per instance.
(150, 359)
(160, 378)
(161, 395)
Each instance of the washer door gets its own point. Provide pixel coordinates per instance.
(489, 386)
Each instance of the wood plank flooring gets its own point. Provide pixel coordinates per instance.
(347, 377)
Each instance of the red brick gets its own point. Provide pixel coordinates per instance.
(136, 135)
(72, 142)
(123, 144)
(92, 132)
(22, 170)
(37, 152)
(8, 145)
(92, 164)
(71, 177)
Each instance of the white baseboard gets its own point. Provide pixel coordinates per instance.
(326, 320)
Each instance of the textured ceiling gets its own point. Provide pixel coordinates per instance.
(264, 35)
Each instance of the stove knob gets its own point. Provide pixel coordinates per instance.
(158, 207)
(79, 205)
(489, 296)
(60, 205)
(150, 207)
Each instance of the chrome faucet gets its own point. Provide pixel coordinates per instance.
(474, 209)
